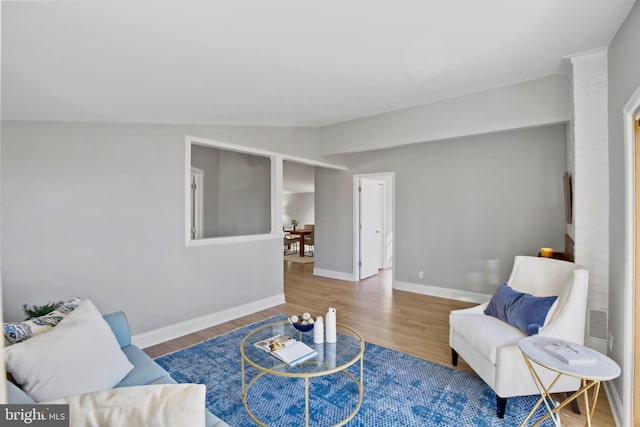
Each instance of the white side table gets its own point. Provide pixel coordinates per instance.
(590, 374)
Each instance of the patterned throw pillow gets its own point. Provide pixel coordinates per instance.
(16, 332)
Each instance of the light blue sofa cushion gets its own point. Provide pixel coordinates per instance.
(164, 380)
(120, 327)
(16, 396)
(145, 370)
(211, 420)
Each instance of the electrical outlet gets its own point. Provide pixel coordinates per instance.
(420, 274)
(610, 341)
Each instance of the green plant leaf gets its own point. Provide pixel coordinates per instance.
(40, 310)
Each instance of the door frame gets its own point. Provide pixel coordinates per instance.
(631, 356)
(635, 412)
(197, 202)
(356, 218)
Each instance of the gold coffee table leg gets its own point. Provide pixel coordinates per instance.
(242, 373)
(306, 401)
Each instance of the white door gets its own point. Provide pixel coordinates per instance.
(381, 225)
(370, 227)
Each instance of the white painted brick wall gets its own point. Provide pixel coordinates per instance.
(590, 169)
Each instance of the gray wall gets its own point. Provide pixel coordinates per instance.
(461, 204)
(244, 196)
(298, 206)
(539, 102)
(624, 79)
(97, 211)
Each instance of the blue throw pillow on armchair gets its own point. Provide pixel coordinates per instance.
(524, 311)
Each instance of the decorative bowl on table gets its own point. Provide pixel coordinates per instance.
(303, 323)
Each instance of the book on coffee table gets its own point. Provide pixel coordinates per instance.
(275, 342)
(287, 349)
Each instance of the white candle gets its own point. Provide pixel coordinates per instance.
(331, 325)
(318, 331)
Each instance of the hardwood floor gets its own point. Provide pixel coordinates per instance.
(404, 321)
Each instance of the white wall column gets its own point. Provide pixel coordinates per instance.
(589, 165)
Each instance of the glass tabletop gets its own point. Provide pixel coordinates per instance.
(331, 357)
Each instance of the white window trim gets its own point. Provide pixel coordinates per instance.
(276, 190)
(197, 178)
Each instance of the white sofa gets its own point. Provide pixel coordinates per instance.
(490, 345)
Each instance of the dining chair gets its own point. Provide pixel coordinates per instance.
(309, 238)
(289, 242)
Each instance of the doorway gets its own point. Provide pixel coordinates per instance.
(631, 319)
(298, 211)
(373, 223)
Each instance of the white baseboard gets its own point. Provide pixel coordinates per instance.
(617, 409)
(436, 291)
(157, 336)
(338, 275)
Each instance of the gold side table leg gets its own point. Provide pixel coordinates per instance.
(594, 400)
(545, 397)
(586, 403)
(589, 410)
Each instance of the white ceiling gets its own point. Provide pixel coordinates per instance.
(279, 62)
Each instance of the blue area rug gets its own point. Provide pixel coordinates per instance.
(399, 390)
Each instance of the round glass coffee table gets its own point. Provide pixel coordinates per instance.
(331, 359)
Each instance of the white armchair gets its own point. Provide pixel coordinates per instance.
(490, 346)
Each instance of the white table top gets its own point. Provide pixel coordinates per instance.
(602, 369)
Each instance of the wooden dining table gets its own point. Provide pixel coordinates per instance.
(300, 232)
